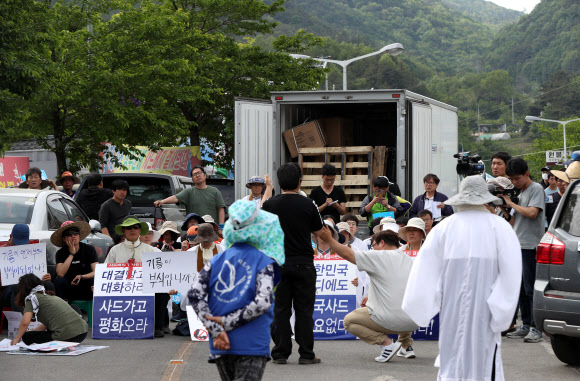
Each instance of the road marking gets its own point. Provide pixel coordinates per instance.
(386, 378)
(174, 370)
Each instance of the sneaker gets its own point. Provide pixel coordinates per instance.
(388, 352)
(406, 353)
(315, 360)
(279, 361)
(534, 336)
(520, 333)
(159, 333)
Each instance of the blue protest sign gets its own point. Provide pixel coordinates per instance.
(120, 308)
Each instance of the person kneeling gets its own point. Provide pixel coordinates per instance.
(59, 320)
(381, 313)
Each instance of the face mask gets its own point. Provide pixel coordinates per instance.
(545, 176)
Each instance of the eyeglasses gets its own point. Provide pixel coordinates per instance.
(429, 183)
(374, 244)
(133, 227)
(71, 233)
(195, 174)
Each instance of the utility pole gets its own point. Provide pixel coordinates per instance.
(513, 110)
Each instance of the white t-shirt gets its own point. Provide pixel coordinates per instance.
(388, 271)
(208, 254)
(251, 198)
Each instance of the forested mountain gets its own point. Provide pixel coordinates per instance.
(441, 37)
(539, 44)
(485, 12)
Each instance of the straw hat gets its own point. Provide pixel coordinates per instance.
(205, 233)
(168, 226)
(472, 191)
(414, 222)
(572, 172)
(83, 227)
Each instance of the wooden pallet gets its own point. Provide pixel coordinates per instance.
(356, 168)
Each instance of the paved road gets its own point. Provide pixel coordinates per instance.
(145, 360)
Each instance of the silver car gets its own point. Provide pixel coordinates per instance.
(557, 286)
(44, 212)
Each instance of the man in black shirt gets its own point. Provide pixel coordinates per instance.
(298, 217)
(330, 199)
(114, 211)
(91, 199)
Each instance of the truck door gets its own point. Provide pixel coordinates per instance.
(419, 150)
(255, 143)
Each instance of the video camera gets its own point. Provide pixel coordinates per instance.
(469, 165)
(512, 193)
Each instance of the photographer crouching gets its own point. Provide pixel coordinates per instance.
(528, 223)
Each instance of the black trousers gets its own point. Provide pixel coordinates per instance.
(241, 368)
(65, 290)
(39, 337)
(161, 314)
(297, 288)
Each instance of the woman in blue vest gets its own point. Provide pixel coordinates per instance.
(233, 294)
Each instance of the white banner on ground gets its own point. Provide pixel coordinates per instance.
(196, 328)
(14, 319)
(16, 261)
(164, 271)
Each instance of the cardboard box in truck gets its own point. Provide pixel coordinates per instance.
(339, 132)
(307, 135)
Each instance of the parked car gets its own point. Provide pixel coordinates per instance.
(45, 211)
(145, 188)
(557, 286)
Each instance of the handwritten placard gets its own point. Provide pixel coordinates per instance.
(164, 271)
(16, 261)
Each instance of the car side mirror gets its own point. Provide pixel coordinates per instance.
(95, 225)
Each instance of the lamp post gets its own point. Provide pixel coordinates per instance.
(392, 49)
(531, 119)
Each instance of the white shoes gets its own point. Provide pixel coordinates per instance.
(407, 353)
(388, 352)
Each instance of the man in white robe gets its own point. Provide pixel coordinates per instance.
(469, 270)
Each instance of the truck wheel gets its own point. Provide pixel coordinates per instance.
(567, 349)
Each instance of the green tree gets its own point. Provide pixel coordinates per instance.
(552, 139)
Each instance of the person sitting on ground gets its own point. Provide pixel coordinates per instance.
(75, 261)
(59, 321)
(372, 226)
(34, 180)
(67, 181)
(91, 198)
(322, 249)
(344, 229)
(192, 219)
(169, 235)
(20, 235)
(413, 233)
(384, 221)
(354, 242)
(208, 219)
(427, 218)
(381, 313)
(238, 315)
(203, 238)
(131, 249)
(151, 237)
(381, 202)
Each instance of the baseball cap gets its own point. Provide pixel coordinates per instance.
(20, 234)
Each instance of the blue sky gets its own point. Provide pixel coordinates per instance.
(520, 5)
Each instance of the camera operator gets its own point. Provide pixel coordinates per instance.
(528, 223)
(501, 182)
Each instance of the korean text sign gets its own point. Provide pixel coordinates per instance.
(164, 271)
(120, 308)
(16, 261)
(335, 297)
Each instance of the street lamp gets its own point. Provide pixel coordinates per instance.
(392, 49)
(531, 119)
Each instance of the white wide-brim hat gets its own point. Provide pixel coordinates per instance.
(472, 191)
(414, 222)
(392, 227)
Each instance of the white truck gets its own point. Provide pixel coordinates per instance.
(420, 133)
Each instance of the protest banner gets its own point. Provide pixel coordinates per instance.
(121, 310)
(164, 271)
(11, 170)
(335, 297)
(196, 328)
(16, 261)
